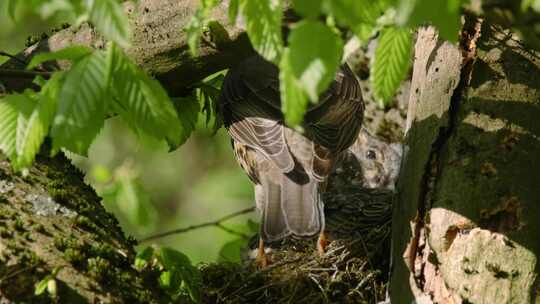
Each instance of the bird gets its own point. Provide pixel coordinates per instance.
(289, 166)
(379, 161)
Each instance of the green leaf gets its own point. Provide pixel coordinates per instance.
(208, 94)
(230, 252)
(82, 104)
(109, 18)
(32, 132)
(363, 32)
(263, 20)
(134, 202)
(171, 258)
(59, 8)
(72, 53)
(391, 62)
(178, 264)
(194, 30)
(218, 33)
(196, 25)
(526, 4)
(52, 287)
(100, 174)
(352, 12)
(41, 286)
(234, 6)
(442, 14)
(11, 8)
(294, 100)
(143, 103)
(143, 257)
(170, 280)
(253, 227)
(11, 107)
(188, 111)
(314, 56)
(48, 283)
(308, 8)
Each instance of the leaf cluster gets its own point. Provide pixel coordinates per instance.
(178, 276)
(72, 105)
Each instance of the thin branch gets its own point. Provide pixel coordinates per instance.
(17, 272)
(231, 231)
(216, 223)
(19, 60)
(23, 73)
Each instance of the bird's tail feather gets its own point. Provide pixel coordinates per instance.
(291, 208)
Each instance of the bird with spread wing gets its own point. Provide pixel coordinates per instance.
(289, 168)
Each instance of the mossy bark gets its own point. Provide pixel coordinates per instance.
(49, 218)
(466, 226)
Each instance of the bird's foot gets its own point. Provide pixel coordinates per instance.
(322, 242)
(262, 258)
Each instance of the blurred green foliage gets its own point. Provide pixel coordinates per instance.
(149, 189)
(199, 182)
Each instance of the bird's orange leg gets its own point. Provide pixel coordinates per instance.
(322, 242)
(262, 259)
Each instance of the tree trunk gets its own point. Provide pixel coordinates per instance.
(49, 218)
(465, 222)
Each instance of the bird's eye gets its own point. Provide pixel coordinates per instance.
(370, 154)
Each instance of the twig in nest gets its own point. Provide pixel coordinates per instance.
(312, 277)
(371, 265)
(217, 223)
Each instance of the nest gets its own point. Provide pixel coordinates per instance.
(353, 270)
(342, 275)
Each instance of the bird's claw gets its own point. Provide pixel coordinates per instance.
(262, 258)
(322, 242)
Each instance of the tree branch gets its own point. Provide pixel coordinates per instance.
(159, 45)
(12, 57)
(13, 73)
(216, 223)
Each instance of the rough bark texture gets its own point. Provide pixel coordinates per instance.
(466, 226)
(50, 218)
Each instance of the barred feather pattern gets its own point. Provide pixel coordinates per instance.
(289, 169)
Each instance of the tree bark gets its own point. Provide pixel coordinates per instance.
(49, 218)
(465, 222)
